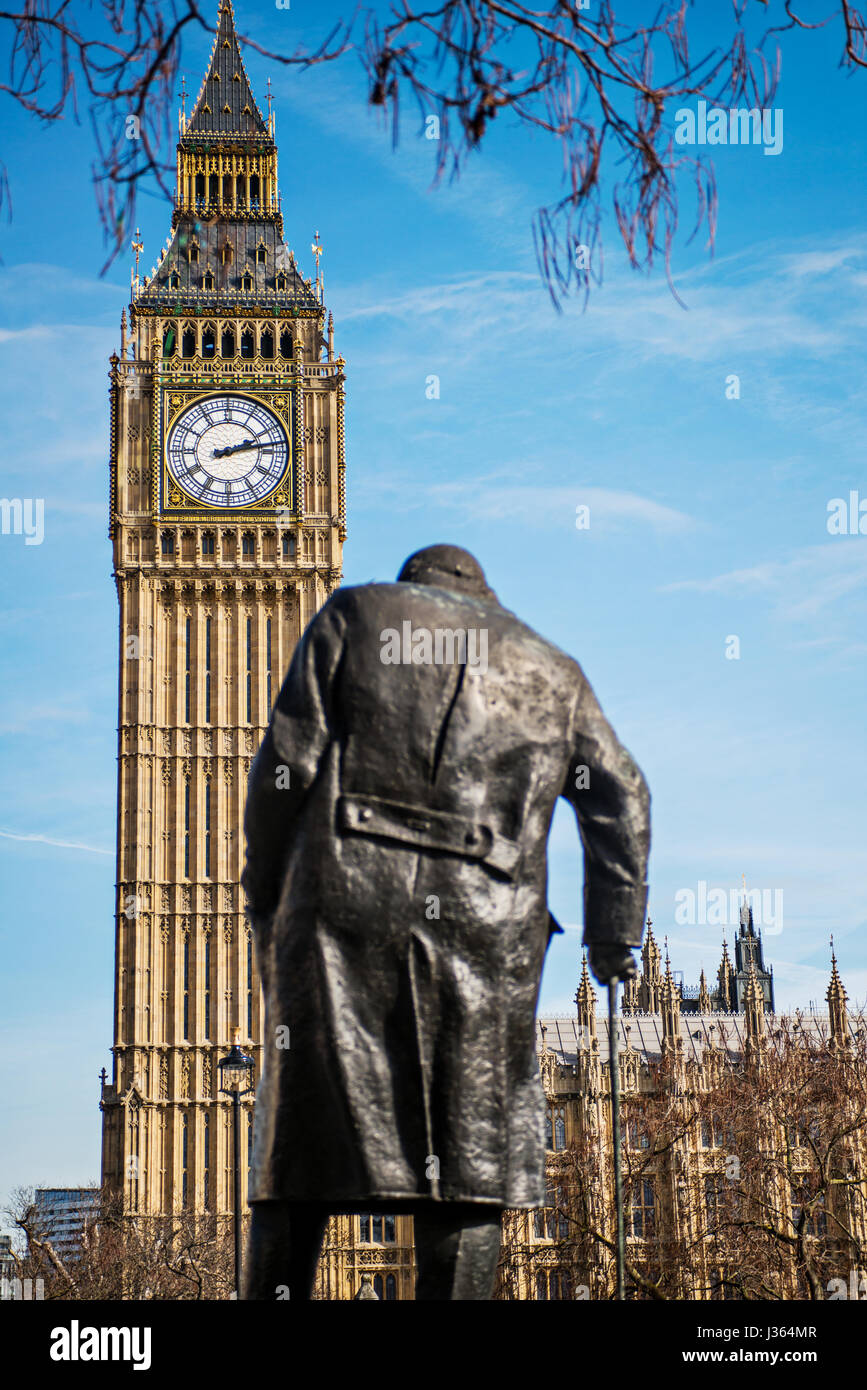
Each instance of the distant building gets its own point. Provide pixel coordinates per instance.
(8, 1263)
(729, 994)
(62, 1213)
(682, 1183)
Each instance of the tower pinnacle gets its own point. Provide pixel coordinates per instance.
(225, 104)
(837, 997)
(586, 1001)
(754, 1007)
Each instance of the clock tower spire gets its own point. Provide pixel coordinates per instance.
(227, 516)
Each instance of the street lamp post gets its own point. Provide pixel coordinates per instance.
(236, 1071)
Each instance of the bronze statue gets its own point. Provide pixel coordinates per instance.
(396, 823)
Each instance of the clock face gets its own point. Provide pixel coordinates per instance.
(227, 451)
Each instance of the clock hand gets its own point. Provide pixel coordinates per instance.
(235, 448)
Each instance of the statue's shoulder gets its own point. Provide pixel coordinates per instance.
(543, 648)
(387, 605)
(365, 602)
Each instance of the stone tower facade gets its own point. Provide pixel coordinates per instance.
(227, 517)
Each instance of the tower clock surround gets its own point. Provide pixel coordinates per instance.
(227, 451)
(227, 537)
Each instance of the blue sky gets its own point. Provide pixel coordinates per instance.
(708, 518)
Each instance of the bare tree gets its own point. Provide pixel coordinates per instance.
(744, 1177)
(181, 1256)
(600, 87)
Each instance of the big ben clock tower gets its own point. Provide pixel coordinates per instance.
(227, 521)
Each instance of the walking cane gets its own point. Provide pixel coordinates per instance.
(614, 1068)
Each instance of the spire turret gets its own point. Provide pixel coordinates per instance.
(651, 956)
(227, 158)
(225, 104)
(704, 1002)
(651, 977)
(227, 225)
(837, 998)
(670, 1000)
(586, 1001)
(725, 975)
(631, 1001)
(754, 1008)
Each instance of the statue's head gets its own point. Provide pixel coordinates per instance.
(446, 567)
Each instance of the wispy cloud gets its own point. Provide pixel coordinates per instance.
(546, 506)
(815, 263)
(17, 335)
(800, 587)
(55, 844)
(495, 495)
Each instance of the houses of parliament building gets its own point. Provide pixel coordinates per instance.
(227, 518)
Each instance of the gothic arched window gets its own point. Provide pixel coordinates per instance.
(185, 1151)
(208, 625)
(209, 340)
(643, 1210)
(250, 968)
(188, 343)
(170, 338)
(376, 1229)
(248, 343)
(207, 827)
(388, 1290)
(249, 672)
(286, 343)
(711, 1132)
(246, 281)
(206, 1155)
(188, 673)
(268, 659)
(227, 345)
(556, 1127)
(261, 253)
(282, 281)
(266, 343)
(208, 281)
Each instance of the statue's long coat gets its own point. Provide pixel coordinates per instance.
(397, 887)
